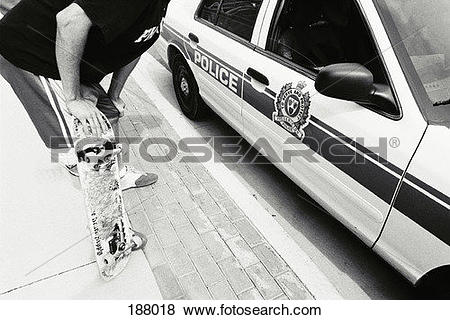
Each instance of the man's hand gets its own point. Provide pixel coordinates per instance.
(92, 119)
(89, 93)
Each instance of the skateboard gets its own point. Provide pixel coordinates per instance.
(110, 228)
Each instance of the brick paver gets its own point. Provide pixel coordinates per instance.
(222, 291)
(264, 282)
(165, 233)
(292, 286)
(238, 278)
(153, 252)
(252, 294)
(200, 243)
(167, 282)
(248, 232)
(224, 226)
(242, 251)
(208, 268)
(190, 238)
(270, 259)
(215, 244)
(200, 220)
(194, 287)
(179, 260)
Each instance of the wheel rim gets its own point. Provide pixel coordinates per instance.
(184, 91)
(184, 85)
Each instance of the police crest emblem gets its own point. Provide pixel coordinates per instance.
(292, 109)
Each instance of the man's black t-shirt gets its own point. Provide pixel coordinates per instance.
(122, 30)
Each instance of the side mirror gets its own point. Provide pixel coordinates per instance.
(354, 82)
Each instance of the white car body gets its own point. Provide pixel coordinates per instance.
(400, 207)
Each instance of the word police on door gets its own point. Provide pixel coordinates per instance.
(226, 77)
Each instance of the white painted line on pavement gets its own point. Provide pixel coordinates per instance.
(316, 282)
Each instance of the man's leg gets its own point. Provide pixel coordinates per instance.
(40, 103)
(106, 106)
(130, 177)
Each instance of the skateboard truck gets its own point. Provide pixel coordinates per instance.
(98, 153)
(138, 241)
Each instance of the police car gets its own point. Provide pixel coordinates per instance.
(362, 85)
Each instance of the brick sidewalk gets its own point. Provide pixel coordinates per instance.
(201, 245)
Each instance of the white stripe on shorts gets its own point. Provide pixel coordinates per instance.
(56, 85)
(55, 109)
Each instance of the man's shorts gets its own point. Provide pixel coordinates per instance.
(43, 101)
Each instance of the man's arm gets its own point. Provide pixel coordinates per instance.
(73, 27)
(118, 82)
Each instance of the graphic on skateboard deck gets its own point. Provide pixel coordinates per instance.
(110, 228)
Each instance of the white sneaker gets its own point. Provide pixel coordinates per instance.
(132, 178)
(69, 162)
(129, 176)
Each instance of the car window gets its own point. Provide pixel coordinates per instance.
(239, 17)
(209, 9)
(236, 16)
(314, 34)
(426, 38)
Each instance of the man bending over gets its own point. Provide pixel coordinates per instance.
(77, 42)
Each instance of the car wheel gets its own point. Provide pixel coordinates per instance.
(435, 285)
(186, 89)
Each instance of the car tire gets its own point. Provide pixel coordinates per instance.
(435, 285)
(186, 89)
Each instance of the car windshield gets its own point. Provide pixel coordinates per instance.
(424, 29)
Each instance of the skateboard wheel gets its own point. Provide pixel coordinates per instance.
(87, 160)
(108, 158)
(122, 246)
(96, 166)
(108, 259)
(138, 241)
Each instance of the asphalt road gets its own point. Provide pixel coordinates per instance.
(353, 268)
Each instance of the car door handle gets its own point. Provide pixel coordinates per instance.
(258, 76)
(193, 38)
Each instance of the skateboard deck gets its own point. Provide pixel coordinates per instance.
(109, 225)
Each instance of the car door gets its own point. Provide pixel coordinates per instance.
(350, 157)
(422, 209)
(221, 40)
